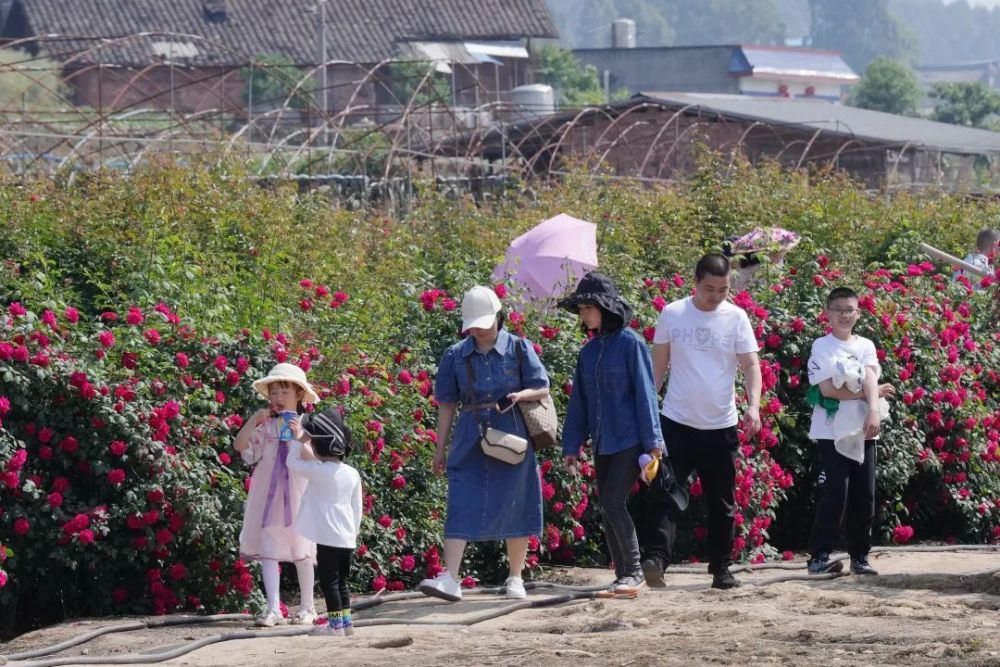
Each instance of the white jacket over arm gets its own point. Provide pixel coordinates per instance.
(331, 508)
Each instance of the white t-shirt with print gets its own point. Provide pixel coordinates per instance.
(824, 350)
(703, 362)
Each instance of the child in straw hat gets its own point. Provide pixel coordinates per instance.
(276, 492)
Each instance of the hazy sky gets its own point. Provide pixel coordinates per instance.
(984, 3)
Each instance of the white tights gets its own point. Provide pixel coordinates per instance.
(307, 580)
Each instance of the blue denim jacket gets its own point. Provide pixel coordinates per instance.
(613, 403)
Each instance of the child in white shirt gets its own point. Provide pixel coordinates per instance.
(330, 511)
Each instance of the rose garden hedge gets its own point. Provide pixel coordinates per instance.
(135, 313)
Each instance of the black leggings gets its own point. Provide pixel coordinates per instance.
(334, 565)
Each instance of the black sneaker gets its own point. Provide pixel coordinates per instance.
(724, 579)
(652, 569)
(860, 566)
(821, 564)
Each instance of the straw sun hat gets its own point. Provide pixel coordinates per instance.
(287, 373)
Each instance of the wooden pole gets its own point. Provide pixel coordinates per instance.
(951, 259)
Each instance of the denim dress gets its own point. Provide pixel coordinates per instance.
(489, 499)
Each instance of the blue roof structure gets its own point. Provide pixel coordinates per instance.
(774, 62)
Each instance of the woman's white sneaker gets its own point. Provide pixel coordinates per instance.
(304, 617)
(270, 618)
(515, 588)
(442, 586)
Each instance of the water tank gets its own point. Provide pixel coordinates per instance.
(532, 101)
(623, 34)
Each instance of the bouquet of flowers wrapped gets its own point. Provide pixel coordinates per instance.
(769, 240)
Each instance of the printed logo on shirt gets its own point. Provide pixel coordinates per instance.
(700, 338)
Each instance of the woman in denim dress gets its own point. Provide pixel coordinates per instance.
(488, 499)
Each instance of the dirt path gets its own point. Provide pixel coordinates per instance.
(924, 609)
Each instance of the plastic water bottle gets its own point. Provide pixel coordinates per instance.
(287, 416)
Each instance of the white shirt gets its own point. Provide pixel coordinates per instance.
(820, 366)
(703, 362)
(330, 511)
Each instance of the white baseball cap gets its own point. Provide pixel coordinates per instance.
(479, 308)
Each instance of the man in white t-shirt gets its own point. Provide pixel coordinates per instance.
(702, 340)
(848, 483)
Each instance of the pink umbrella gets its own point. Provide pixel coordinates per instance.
(549, 260)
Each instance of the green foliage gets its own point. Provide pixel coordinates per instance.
(575, 85)
(951, 32)
(275, 80)
(417, 83)
(217, 266)
(860, 29)
(887, 86)
(968, 103)
(32, 84)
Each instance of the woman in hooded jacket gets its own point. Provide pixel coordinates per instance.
(614, 405)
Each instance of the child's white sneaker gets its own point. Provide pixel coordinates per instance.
(515, 588)
(305, 617)
(269, 619)
(442, 586)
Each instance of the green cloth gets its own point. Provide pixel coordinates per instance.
(814, 397)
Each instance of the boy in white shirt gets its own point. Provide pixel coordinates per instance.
(982, 258)
(330, 511)
(848, 484)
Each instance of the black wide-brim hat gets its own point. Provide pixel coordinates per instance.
(596, 289)
(667, 491)
(329, 434)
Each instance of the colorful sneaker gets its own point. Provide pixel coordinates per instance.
(514, 588)
(269, 619)
(723, 579)
(652, 571)
(629, 587)
(305, 617)
(327, 630)
(348, 623)
(821, 564)
(860, 565)
(609, 592)
(442, 586)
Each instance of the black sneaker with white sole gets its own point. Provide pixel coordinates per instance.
(821, 564)
(652, 570)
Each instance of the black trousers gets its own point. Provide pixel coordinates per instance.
(616, 473)
(849, 486)
(712, 453)
(334, 569)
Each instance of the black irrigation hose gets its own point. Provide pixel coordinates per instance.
(572, 593)
(800, 565)
(177, 651)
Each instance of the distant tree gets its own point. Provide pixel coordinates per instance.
(887, 86)
(575, 84)
(271, 80)
(33, 84)
(861, 30)
(406, 77)
(968, 103)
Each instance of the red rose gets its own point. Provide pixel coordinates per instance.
(164, 536)
(117, 448)
(85, 536)
(385, 521)
(398, 482)
(178, 572)
(21, 526)
(407, 563)
(116, 476)
(69, 444)
(55, 499)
